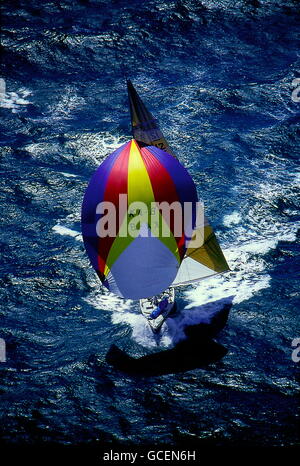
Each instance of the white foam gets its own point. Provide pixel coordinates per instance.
(68, 103)
(104, 300)
(240, 285)
(14, 100)
(297, 180)
(68, 175)
(232, 219)
(94, 146)
(67, 231)
(125, 312)
(259, 246)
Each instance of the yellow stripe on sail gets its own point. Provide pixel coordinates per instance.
(139, 189)
(209, 254)
(139, 184)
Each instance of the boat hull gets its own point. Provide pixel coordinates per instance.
(148, 305)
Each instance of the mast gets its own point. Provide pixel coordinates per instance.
(207, 259)
(145, 128)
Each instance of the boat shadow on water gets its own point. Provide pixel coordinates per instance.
(196, 351)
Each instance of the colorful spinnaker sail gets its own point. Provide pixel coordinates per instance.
(207, 258)
(135, 248)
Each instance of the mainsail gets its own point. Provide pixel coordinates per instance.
(206, 259)
(144, 126)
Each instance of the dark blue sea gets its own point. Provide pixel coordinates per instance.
(82, 366)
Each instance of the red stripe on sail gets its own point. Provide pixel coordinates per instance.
(164, 190)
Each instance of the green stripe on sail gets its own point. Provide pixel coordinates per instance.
(209, 254)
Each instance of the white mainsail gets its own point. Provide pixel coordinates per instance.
(202, 261)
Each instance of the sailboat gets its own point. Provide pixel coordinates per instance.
(136, 249)
(203, 261)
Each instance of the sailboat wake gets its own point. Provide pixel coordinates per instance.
(197, 348)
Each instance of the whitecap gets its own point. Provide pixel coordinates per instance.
(232, 219)
(61, 230)
(68, 175)
(13, 101)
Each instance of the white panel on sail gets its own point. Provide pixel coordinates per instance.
(191, 271)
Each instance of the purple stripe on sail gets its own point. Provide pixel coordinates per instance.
(96, 188)
(93, 195)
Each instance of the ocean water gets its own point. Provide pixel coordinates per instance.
(82, 366)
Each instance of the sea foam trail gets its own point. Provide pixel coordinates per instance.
(248, 276)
